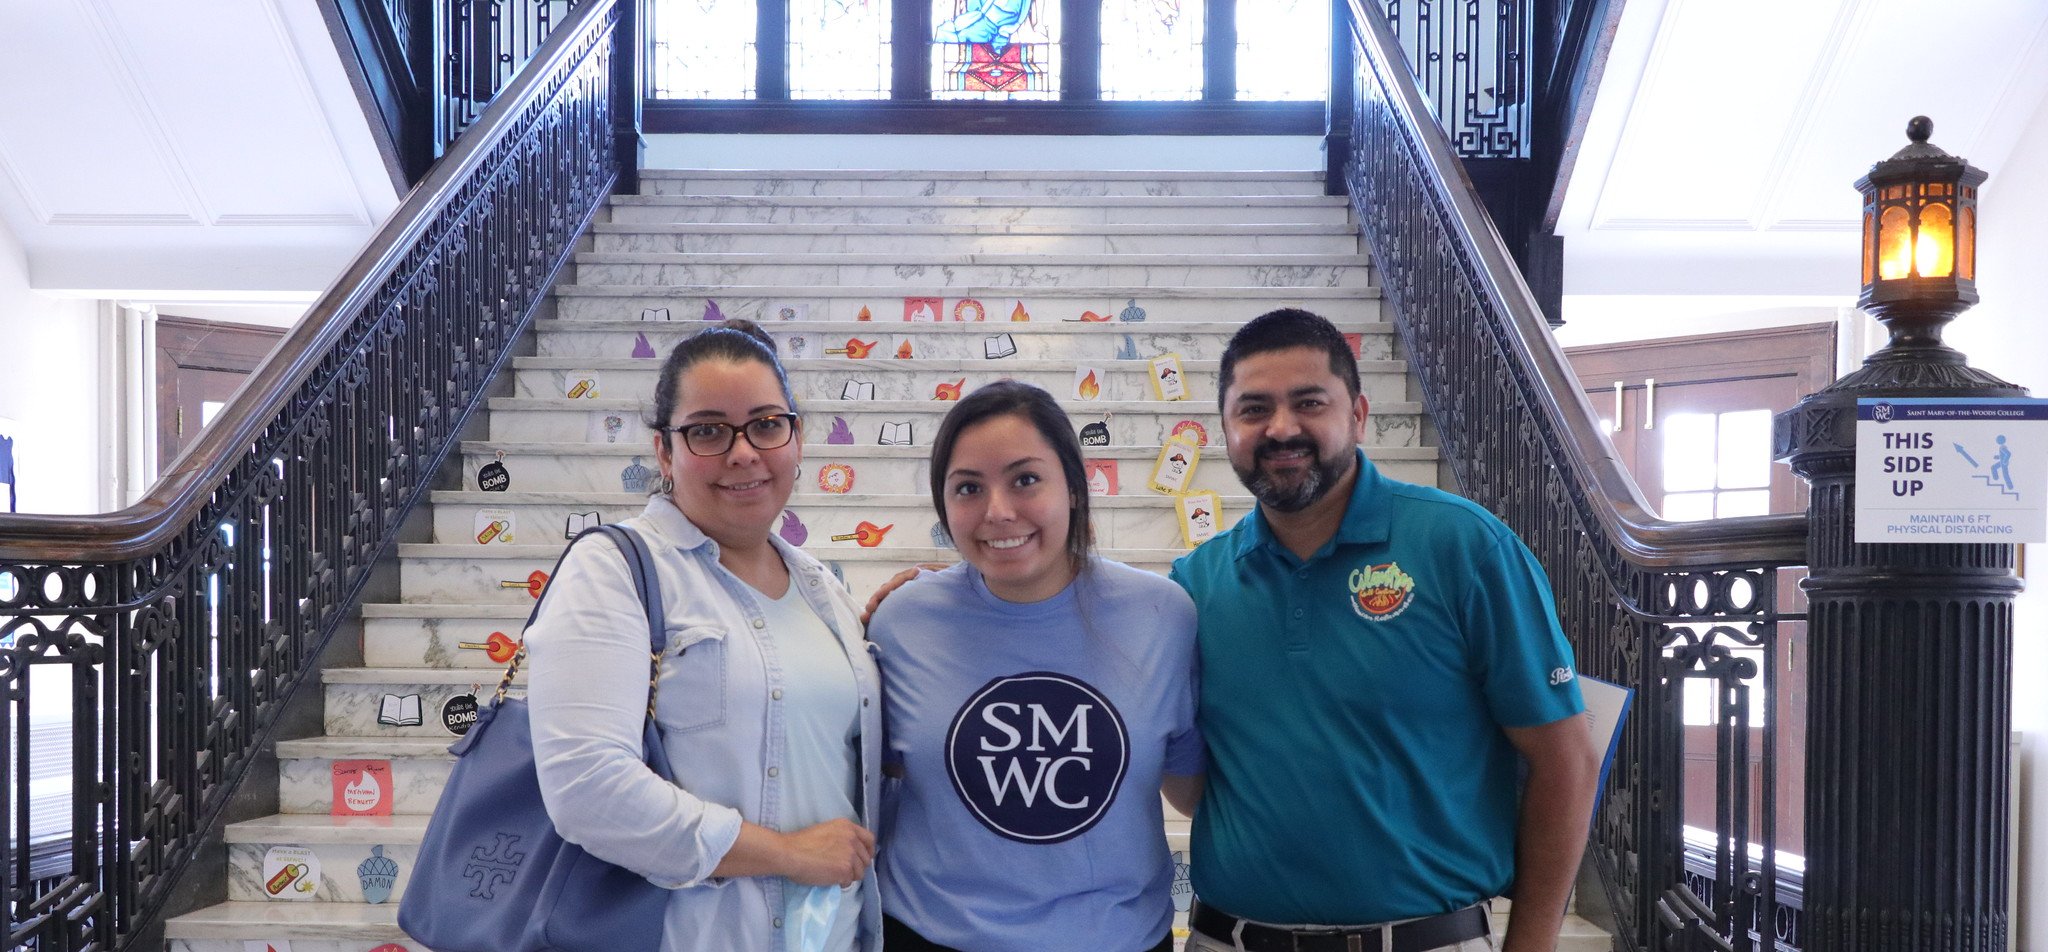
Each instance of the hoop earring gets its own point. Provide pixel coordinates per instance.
(665, 487)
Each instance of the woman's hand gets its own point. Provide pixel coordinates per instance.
(895, 582)
(832, 853)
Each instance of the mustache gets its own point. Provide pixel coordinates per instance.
(1301, 444)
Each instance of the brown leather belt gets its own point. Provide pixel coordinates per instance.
(1420, 935)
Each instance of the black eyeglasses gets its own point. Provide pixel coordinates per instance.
(771, 432)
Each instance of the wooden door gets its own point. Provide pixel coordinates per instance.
(199, 365)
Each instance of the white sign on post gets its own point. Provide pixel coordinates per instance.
(1951, 469)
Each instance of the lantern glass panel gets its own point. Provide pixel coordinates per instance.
(1935, 247)
(1869, 242)
(1894, 245)
(1966, 245)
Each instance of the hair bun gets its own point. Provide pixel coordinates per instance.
(750, 329)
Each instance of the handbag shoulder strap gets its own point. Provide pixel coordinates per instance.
(646, 582)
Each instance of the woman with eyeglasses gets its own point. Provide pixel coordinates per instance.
(767, 699)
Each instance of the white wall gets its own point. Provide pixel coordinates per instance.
(2005, 334)
(49, 390)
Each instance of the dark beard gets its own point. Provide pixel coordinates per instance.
(1322, 475)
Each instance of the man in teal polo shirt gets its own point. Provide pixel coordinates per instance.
(1380, 661)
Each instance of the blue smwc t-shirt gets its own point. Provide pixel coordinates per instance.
(1031, 740)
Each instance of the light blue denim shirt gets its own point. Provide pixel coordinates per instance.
(719, 707)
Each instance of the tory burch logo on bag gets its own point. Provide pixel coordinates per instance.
(499, 866)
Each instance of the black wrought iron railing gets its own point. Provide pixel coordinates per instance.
(1649, 604)
(180, 626)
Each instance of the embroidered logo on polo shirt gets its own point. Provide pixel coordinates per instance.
(1037, 757)
(1380, 592)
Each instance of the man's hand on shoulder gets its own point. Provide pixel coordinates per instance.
(895, 582)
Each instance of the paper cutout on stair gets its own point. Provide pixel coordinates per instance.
(963, 308)
(576, 522)
(800, 346)
(949, 391)
(855, 349)
(1019, 314)
(711, 311)
(865, 314)
(604, 427)
(1174, 471)
(459, 714)
(1088, 383)
(391, 947)
(999, 346)
(1167, 381)
(1357, 344)
(1095, 434)
(492, 477)
(499, 647)
(1128, 350)
(906, 348)
(835, 478)
(1200, 513)
(940, 537)
(1131, 312)
(793, 530)
(1102, 476)
(291, 872)
(580, 385)
(895, 434)
(642, 347)
(495, 525)
(270, 945)
(841, 434)
(867, 535)
(1194, 429)
(378, 875)
(399, 710)
(790, 310)
(534, 583)
(1090, 317)
(361, 788)
(923, 310)
(857, 390)
(636, 477)
(654, 314)
(1183, 888)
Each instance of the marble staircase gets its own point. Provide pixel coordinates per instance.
(1042, 276)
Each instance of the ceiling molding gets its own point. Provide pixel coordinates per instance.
(1676, 224)
(103, 219)
(338, 218)
(37, 208)
(304, 82)
(1653, 67)
(1852, 21)
(101, 22)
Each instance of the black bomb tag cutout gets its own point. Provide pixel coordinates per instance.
(1037, 757)
(493, 478)
(459, 714)
(1095, 434)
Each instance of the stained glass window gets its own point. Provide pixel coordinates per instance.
(1152, 49)
(839, 49)
(1283, 49)
(703, 49)
(995, 49)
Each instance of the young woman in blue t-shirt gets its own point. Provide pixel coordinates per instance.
(1036, 699)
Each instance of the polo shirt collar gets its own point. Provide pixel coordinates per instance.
(1366, 518)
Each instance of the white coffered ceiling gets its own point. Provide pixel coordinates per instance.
(1726, 133)
(212, 149)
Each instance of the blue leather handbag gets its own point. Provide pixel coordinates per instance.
(492, 874)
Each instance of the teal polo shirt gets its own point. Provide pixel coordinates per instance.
(1353, 705)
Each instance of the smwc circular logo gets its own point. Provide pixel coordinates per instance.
(1037, 757)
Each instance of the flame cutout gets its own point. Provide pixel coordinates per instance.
(949, 391)
(1019, 314)
(865, 314)
(903, 351)
(363, 793)
(867, 534)
(498, 647)
(855, 349)
(1090, 317)
(1088, 388)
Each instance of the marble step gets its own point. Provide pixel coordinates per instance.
(1138, 519)
(976, 239)
(1130, 422)
(830, 303)
(374, 704)
(307, 778)
(1045, 185)
(925, 271)
(587, 467)
(307, 926)
(1034, 340)
(978, 210)
(429, 635)
(338, 848)
(823, 378)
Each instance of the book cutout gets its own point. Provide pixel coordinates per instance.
(857, 390)
(494, 525)
(580, 385)
(377, 875)
(949, 391)
(643, 349)
(499, 647)
(841, 434)
(579, 521)
(1174, 471)
(867, 535)
(654, 314)
(361, 788)
(963, 308)
(399, 710)
(493, 478)
(922, 310)
(291, 872)
(895, 434)
(1101, 476)
(1200, 513)
(835, 478)
(1088, 383)
(999, 346)
(1167, 380)
(793, 530)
